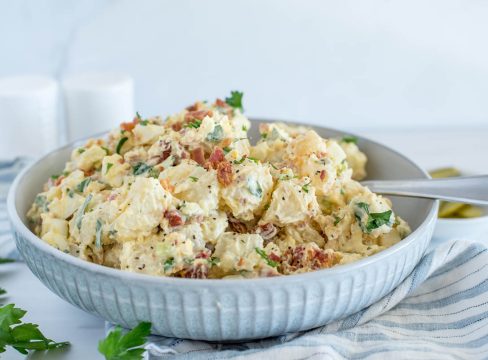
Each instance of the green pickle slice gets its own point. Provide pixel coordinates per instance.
(452, 209)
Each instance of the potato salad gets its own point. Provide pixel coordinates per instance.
(189, 196)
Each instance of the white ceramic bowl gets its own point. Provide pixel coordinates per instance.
(226, 310)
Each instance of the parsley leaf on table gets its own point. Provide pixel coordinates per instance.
(129, 346)
(22, 336)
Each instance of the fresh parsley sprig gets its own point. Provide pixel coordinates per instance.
(266, 258)
(22, 336)
(128, 346)
(235, 100)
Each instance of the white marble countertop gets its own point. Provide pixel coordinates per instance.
(463, 148)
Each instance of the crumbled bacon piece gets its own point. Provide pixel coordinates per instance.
(274, 257)
(197, 115)
(174, 218)
(221, 103)
(177, 126)
(129, 126)
(267, 231)
(59, 180)
(322, 175)
(224, 173)
(237, 225)
(193, 107)
(226, 142)
(311, 258)
(198, 155)
(216, 157)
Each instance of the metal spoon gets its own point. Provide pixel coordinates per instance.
(464, 189)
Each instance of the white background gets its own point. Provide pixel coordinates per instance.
(349, 64)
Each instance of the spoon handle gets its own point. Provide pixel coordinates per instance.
(467, 189)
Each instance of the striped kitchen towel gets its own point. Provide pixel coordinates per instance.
(440, 311)
(8, 171)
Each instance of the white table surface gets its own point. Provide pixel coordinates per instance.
(465, 149)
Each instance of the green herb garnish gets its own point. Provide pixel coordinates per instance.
(306, 187)
(141, 168)
(216, 135)
(253, 159)
(22, 336)
(254, 187)
(193, 178)
(83, 185)
(194, 124)
(168, 264)
(109, 166)
(6, 260)
(337, 220)
(120, 144)
(41, 202)
(213, 261)
(266, 258)
(375, 220)
(264, 135)
(128, 346)
(144, 122)
(235, 100)
(81, 151)
(349, 139)
(81, 211)
(244, 128)
(227, 149)
(107, 151)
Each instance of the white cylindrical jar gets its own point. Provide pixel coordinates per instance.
(96, 102)
(29, 116)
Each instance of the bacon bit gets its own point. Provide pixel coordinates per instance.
(177, 126)
(174, 218)
(321, 154)
(274, 257)
(88, 172)
(197, 271)
(241, 262)
(267, 231)
(129, 126)
(185, 155)
(224, 173)
(221, 103)
(198, 155)
(167, 185)
(193, 107)
(58, 180)
(198, 115)
(216, 157)
(121, 161)
(322, 175)
(237, 225)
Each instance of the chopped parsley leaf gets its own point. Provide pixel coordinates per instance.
(213, 261)
(306, 187)
(264, 135)
(349, 139)
(83, 185)
(128, 346)
(337, 220)
(120, 144)
(109, 166)
(168, 264)
(81, 211)
(193, 178)
(227, 149)
(216, 135)
(235, 100)
(194, 124)
(254, 187)
(263, 254)
(81, 151)
(144, 122)
(141, 168)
